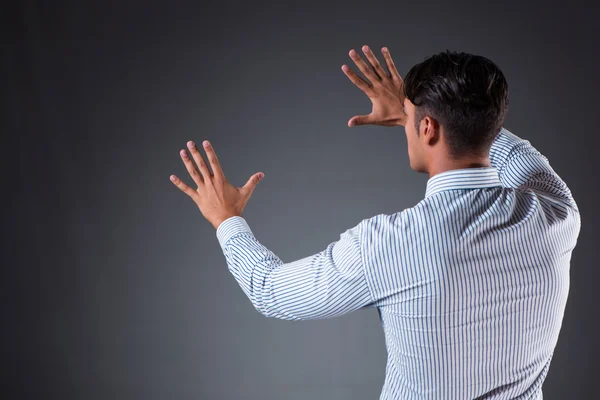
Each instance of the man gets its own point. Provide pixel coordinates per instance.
(471, 283)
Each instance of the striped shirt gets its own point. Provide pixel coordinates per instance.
(470, 284)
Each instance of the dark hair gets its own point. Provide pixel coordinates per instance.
(466, 93)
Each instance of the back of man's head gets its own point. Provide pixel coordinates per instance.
(467, 94)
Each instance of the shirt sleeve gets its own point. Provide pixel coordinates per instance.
(324, 285)
(520, 165)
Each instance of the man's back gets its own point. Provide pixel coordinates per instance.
(471, 283)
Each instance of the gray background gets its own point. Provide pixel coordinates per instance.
(114, 285)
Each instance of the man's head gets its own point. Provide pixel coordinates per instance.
(455, 104)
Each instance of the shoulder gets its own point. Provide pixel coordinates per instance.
(391, 224)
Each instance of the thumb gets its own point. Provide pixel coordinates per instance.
(253, 181)
(361, 120)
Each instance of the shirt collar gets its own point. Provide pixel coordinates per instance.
(463, 178)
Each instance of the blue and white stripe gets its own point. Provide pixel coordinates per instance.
(470, 284)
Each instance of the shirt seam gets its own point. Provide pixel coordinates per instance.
(362, 262)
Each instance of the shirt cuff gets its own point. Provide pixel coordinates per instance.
(230, 227)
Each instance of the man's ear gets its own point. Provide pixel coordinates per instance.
(431, 131)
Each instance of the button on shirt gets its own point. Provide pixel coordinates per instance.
(470, 284)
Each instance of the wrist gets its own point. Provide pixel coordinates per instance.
(218, 221)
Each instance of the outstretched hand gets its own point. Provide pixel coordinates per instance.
(216, 198)
(386, 91)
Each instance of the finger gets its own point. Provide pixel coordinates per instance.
(363, 67)
(390, 64)
(206, 175)
(361, 120)
(374, 62)
(249, 187)
(357, 80)
(191, 167)
(183, 187)
(213, 159)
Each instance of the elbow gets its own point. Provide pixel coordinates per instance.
(271, 312)
(267, 312)
(261, 306)
(263, 310)
(265, 304)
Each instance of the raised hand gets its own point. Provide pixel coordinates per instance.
(386, 91)
(216, 198)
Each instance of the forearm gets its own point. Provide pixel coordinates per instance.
(509, 146)
(248, 261)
